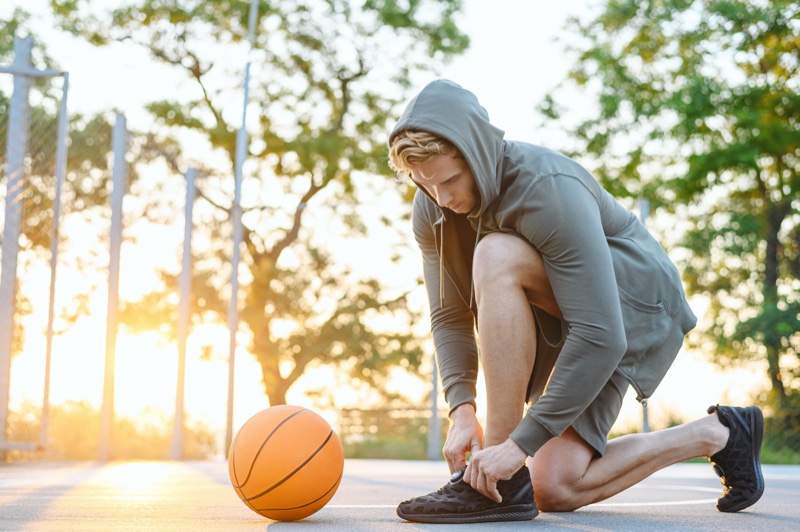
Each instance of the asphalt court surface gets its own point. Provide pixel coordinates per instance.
(172, 496)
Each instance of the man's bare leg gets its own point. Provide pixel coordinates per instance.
(566, 475)
(509, 275)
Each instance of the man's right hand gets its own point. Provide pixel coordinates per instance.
(465, 436)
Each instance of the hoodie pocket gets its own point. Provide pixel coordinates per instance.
(652, 347)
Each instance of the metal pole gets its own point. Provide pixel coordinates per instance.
(119, 141)
(61, 170)
(434, 431)
(644, 212)
(236, 208)
(184, 308)
(16, 148)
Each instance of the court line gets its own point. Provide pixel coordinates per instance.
(346, 506)
(678, 488)
(664, 503)
(599, 504)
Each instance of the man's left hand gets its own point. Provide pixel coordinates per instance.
(489, 465)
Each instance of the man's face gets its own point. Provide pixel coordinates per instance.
(449, 181)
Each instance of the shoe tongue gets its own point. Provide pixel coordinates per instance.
(457, 476)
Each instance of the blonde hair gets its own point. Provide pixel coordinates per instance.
(412, 148)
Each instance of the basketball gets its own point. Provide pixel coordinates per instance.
(285, 463)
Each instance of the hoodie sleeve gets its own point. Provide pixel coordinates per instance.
(451, 324)
(561, 217)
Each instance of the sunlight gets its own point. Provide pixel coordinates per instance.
(146, 374)
(146, 369)
(133, 477)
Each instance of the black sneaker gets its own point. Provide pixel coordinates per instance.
(739, 463)
(458, 502)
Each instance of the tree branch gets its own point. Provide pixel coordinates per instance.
(291, 235)
(195, 70)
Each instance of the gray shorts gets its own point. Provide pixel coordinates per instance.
(594, 424)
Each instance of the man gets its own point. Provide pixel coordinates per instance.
(573, 301)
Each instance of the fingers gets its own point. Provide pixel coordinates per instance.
(471, 474)
(474, 448)
(484, 484)
(480, 479)
(456, 460)
(490, 490)
(455, 464)
(456, 454)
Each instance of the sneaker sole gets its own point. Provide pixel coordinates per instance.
(757, 430)
(521, 512)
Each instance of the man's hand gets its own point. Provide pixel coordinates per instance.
(465, 436)
(498, 462)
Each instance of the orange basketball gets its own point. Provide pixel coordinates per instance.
(286, 463)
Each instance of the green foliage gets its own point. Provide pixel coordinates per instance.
(87, 176)
(398, 433)
(775, 451)
(324, 88)
(698, 110)
(782, 429)
(73, 429)
(10, 28)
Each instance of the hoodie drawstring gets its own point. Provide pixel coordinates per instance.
(472, 283)
(441, 265)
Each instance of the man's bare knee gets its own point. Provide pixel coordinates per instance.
(493, 260)
(554, 492)
(505, 262)
(554, 496)
(558, 471)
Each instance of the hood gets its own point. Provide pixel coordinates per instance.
(449, 111)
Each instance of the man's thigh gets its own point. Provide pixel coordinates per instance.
(507, 258)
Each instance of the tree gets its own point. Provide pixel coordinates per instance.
(144, 438)
(89, 148)
(699, 109)
(325, 85)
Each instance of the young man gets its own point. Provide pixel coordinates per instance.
(573, 301)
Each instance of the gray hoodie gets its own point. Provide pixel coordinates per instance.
(620, 296)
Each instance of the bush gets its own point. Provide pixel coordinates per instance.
(782, 431)
(393, 433)
(74, 429)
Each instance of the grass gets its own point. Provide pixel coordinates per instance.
(775, 453)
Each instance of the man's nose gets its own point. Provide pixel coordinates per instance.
(441, 196)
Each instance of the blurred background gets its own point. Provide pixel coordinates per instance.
(141, 140)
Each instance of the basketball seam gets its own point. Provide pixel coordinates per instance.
(253, 462)
(237, 487)
(298, 468)
(308, 503)
(232, 452)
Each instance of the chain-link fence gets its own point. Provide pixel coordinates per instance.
(37, 176)
(33, 142)
(34, 164)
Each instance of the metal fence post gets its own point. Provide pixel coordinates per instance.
(120, 178)
(236, 213)
(17, 147)
(434, 427)
(61, 171)
(184, 313)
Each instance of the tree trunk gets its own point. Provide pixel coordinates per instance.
(277, 387)
(772, 336)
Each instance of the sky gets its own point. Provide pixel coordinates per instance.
(517, 55)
